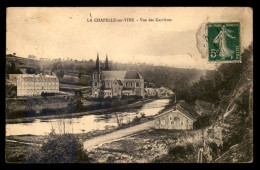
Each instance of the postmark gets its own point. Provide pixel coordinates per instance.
(224, 42)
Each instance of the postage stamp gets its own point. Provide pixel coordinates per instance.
(224, 42)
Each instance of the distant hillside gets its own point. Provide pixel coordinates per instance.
(170, 77)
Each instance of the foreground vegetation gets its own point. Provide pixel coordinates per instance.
(57, 148)
(227, 90)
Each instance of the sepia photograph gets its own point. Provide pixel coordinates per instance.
(129, 85)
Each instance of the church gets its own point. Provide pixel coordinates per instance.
(107, 83)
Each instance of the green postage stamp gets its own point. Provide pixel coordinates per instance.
(224, 42)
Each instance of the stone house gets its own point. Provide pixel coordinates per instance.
(180, 116)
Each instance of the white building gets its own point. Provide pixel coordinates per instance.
(160, 92)
(31, 84)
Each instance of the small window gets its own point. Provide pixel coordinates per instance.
(181, 123)
(172, 122)
(163, 122)
(137, 84)
(176, 118)
(170, 118)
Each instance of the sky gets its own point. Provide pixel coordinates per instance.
(52, 32)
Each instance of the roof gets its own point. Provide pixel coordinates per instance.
(127, 88)
(121, 75)
(184, 108)
(133, 75)
(36, 75)
(112, 75)
(120, 82)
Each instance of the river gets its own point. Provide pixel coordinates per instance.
(85, 123)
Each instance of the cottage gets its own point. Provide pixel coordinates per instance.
(180, 116)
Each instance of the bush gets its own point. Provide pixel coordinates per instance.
(124, 96)
(202, 121)
(64, 148)
(140, 97)
(142, 115)
(44, 94)
(15, 114)
(135, 120)
(10, 91)
(182, 153)
(114, 98)
(108, 98)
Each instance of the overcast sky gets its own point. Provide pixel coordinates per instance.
(65, 32)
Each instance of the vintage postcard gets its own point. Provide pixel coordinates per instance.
(129, 85)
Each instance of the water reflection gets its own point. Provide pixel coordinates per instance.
(85, 123)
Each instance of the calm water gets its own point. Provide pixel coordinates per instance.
(85, 123)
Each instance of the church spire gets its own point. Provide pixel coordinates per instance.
(97, 63)
(106, 64)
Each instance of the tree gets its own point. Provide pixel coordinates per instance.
(11, 68)
(57, 66)
(64, 148)
(10, 91)
(60, 74)
(30, 70)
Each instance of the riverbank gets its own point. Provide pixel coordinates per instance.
(16, 143)
(19, 147)
(71, 115)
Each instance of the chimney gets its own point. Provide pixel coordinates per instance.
(175, 98)
(175, 106)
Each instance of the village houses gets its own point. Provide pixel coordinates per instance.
(161, 92)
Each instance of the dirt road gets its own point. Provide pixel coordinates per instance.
(107, 138)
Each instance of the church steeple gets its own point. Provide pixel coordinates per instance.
(97, 63)
(106, 64)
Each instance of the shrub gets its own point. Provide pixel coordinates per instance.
(108, 98)
(135, 120)
(142, 115)
(140, 97)
(182, 153)
(64, 148)
(114, 98)
(10, 91)
(124, 96)
(202, 121)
